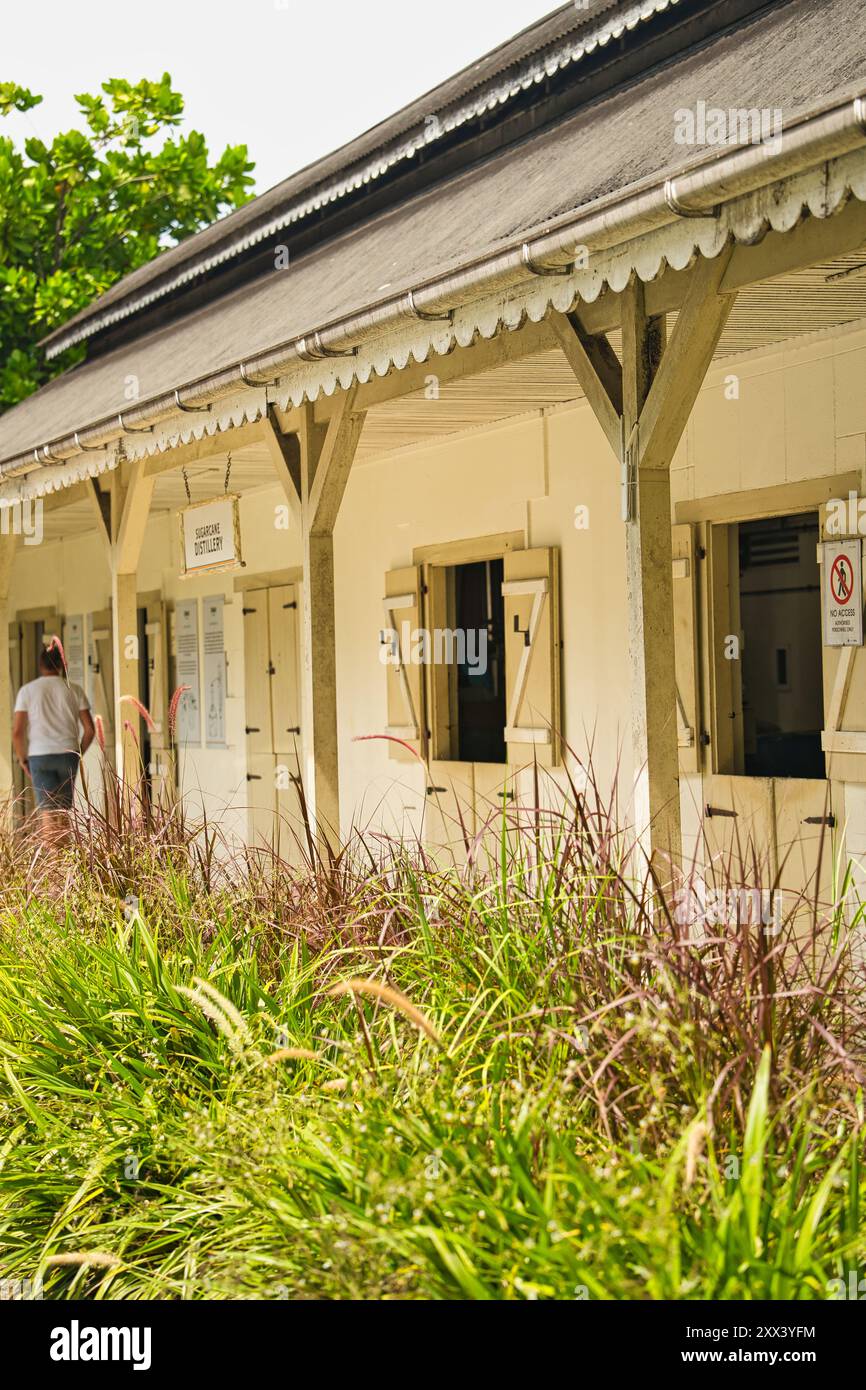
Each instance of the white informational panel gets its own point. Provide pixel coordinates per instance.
(188, 672)
(73, 647)
(210, 535)
(843, 593)
(214, 673)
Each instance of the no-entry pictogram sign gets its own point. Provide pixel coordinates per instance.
(841, 581)
(843, 594)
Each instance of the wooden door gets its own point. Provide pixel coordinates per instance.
(495, 806)
(739, 830)
(257, 673)
(273, 717)
(449, 812)
(261, 797)
(284, 673)
(807, 843)
(285, 681)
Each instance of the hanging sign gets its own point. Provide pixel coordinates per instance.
(843, 594)
(187, 668)
(214, 673)
(210, 536)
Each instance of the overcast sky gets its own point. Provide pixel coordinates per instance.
(292, 79)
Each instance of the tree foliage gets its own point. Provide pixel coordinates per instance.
(78, 214)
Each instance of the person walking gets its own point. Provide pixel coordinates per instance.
(52, 730)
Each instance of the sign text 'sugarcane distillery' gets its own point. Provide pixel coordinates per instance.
(209, 539)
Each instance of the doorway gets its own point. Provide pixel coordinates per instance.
(780, 613)
(28, 634)
(766, 798)
(477, 672)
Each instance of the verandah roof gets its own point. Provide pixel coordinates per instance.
(622, 145)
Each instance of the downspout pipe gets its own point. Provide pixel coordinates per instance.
(697, 192)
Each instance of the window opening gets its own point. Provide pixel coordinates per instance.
(780, 613)
(479, 650)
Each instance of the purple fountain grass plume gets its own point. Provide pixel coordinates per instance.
(174, 706)
(388, 738)
(143, 711)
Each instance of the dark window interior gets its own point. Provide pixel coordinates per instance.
(780, 612)
(144, 691)
(481, 686)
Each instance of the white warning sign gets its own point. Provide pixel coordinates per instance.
(843, 594)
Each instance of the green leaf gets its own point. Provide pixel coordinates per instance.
(85, 209)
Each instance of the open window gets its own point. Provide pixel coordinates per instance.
(471, 648)
(466, 641)
(764, 633)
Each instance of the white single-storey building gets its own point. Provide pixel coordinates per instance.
(545, 406)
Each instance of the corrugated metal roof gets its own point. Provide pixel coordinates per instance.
(528, 59)
(626, 140)
(824, 297)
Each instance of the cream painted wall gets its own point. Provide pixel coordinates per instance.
(801, 413)
(527, 477)
(72, 576)
(215, 778)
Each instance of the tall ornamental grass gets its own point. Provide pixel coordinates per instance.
(516, 1076)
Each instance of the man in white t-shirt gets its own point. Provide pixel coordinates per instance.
(51, 732)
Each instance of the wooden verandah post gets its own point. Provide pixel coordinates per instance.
(7, 782)
(643, 405)
(314, 472)
(122, 515)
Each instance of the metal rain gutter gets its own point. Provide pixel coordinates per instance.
(697, 192)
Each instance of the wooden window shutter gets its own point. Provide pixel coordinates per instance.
(404, 677)
(686, 648)
(101, 662)
(531, 592)
(441, 677)
(285, 678)
(720, 617)
(257, 678)
(157, 673)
